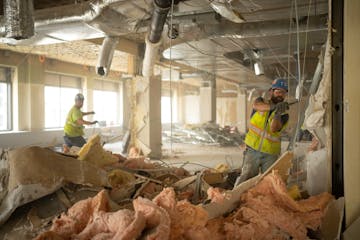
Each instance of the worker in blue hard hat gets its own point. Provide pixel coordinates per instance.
(74, 125)
(268, 120)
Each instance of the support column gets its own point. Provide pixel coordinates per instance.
(37, 101)
(241, 105)
(148, 116)
(208, 100)
(126, 90)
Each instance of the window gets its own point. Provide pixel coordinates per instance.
(107, 102)
(5, 99)
(60, 91)
(168, 104)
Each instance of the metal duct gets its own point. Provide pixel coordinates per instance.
(225, 9)
(106, 55)
(161, 9)
(19, 21)
(263, 29)
(87, 20)
(152, 39)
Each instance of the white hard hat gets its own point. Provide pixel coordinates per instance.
(79, 96)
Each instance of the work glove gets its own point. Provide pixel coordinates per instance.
(281, 107)
(272, 106)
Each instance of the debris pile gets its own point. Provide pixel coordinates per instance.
(145, 200)
(265, 212)
(162, 218)
(206, 134)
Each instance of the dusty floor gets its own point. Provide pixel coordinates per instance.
(194, 157)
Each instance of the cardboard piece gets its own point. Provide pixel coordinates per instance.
(229, 204)
(35, 172)
(282, 165)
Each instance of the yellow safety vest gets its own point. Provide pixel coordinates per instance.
(271, 143)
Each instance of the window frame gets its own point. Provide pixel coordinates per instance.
(79, 83)
(104, 85)
(7, 80)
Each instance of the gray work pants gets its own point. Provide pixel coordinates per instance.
(252, 161)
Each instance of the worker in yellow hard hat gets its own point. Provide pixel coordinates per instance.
(268, 120)
(74, 125)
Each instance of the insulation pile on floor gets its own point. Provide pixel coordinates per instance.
(162, 218)
(265, 212)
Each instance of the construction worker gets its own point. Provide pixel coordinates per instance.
(263, 139)
(74, 125)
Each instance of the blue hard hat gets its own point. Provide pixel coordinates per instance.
(280, 83)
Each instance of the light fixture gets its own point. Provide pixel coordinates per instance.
(258, 68)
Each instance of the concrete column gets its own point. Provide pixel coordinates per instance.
(208, 100)
(36, 72)
(88, 86)
(148, 116)
(241, 105)
(23, 95)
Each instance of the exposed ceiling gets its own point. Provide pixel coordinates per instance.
(206, 41)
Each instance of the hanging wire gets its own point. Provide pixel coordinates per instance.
(306, 37)
(170, 75)
(300, 81)
(289, 42)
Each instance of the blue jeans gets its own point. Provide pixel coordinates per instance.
(253, 160)
(74, 141)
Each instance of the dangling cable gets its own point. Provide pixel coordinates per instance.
(306, 36)
(289, 43)
(170, 75)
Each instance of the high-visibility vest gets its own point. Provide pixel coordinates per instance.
(271, 142)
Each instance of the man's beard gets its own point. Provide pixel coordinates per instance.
(276, 99)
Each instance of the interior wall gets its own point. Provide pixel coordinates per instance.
(351, 110)
(28, 97)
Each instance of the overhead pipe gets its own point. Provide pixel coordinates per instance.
(106, 55)
(19, 20)
(152, 40)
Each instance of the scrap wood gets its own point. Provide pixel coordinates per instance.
(184, 182)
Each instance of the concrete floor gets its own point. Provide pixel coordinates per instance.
(193, 157)
(196, 157)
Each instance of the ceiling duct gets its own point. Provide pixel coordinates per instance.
(225, 9)
(158, 19)
(106, 55)
(86, 20)
(19, 22)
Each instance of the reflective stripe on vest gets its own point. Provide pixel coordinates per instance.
(259, 132)
(271, 142)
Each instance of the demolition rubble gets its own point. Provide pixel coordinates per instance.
(100, 195)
